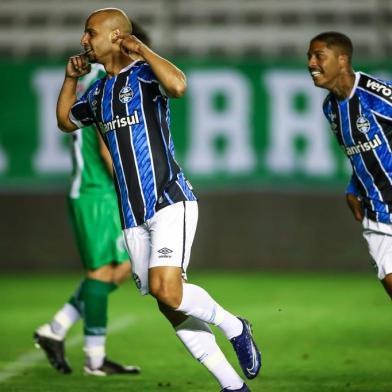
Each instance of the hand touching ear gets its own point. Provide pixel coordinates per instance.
(130, 44)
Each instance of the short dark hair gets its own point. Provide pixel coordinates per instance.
(340, 40)
(140, 33)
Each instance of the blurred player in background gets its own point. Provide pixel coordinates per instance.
(96, 223)
(158, 208)
(359, 109)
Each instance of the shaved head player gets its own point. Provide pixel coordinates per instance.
(158, 208)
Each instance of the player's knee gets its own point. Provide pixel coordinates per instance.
(122, 273)
(166, 294)
(387, 282)
(103, 273)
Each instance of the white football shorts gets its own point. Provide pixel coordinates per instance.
(163, 240)
(379, 238)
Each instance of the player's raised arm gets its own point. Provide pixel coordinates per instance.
(170, 77)
(77, 66)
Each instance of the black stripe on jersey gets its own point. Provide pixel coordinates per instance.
(149, 92)
(386, 126)
(124, 143)
(98, 98)
(98, 117)
(381, 180)
(362, 191)
(371, 215)
(166, 132)
(337, 121)
(175, 192)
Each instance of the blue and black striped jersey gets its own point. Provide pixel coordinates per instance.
(363, 126)
(132, 113)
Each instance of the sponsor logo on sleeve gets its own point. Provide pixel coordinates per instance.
(381, 88)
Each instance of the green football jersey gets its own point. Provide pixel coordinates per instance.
(89, 172)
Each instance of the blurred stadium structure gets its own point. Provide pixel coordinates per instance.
(261, 28)
(249, 132)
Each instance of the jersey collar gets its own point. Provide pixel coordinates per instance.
(130, 65)
(357, 77)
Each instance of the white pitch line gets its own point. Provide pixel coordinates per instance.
(31, 358)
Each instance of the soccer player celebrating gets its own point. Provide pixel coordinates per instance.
(359, 109)
(96, 222)
(158, 208)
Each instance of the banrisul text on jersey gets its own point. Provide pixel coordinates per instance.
(362, 125)
(132, 113)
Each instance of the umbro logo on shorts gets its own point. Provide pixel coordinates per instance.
(165, 252)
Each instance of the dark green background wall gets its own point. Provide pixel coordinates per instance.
(264, 230)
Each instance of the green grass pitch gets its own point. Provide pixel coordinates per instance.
(317, 333)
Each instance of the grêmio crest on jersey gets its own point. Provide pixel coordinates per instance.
(125, 95)
(363, 124)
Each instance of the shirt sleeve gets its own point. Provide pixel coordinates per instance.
(376, 94)
(327, 107)
(81, 114)
(148, 75)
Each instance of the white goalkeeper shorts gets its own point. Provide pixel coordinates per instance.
(165, 240)
(379, 238)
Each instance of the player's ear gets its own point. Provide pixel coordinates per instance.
(114, 35)
(344, 60)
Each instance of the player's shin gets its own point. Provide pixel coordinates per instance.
(68, 315)
(95, 299)
(64, 319)
(200, 342)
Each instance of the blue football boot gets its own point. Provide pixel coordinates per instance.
(244, 388)
(247, 352)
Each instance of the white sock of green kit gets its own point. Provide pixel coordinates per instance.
(200, 342)
(198, 303)
(94, 348)
(64, 319)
